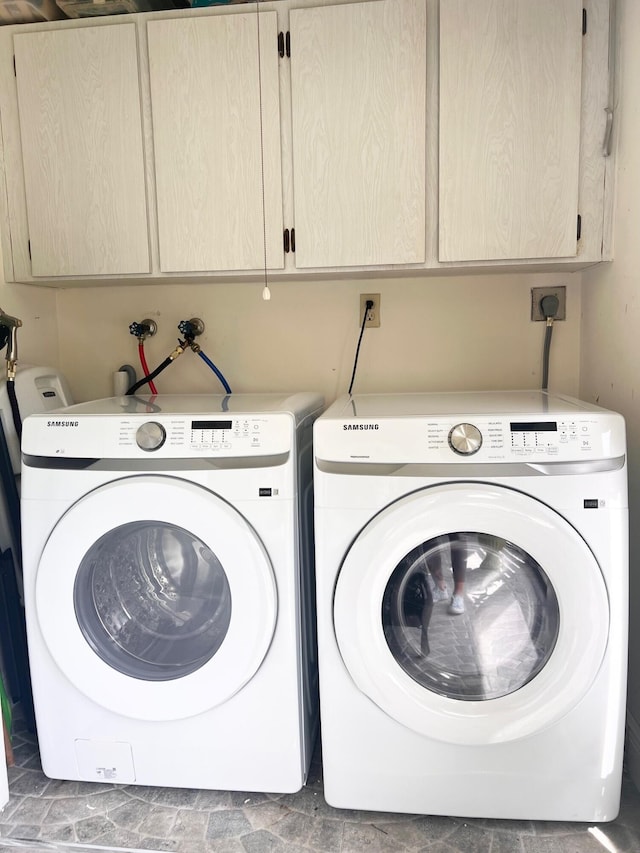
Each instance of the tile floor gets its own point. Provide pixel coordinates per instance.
(78, 817)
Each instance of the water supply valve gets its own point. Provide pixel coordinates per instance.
(191, 329)
(143, 330)
(9, 335)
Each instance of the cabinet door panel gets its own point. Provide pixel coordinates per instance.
(358, 111)
(510, 86)
(206, 102)
(79, 102)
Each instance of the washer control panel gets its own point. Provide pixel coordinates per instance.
(233, 436)
(150, 436)
(166, 436)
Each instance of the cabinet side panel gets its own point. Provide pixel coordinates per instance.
(596, 170)
(80, 123)
(510, 92)
(206, 107)
(358, 113)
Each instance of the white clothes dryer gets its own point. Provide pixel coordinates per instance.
(512, 704)
(169, 590)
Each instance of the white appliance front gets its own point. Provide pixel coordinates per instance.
(168, 590)
(513, 708)
(151, 599)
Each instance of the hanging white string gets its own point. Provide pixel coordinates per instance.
(266, 293)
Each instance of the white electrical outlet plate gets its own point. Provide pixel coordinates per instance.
(373, 314)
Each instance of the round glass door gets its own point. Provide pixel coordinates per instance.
(470, 616)
(156, 598)
(152, 600)
(471, 613)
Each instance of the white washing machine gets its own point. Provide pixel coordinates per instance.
(512, 703)
(169, 589)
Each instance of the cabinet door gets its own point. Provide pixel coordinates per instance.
(80, 124)
(358, 121)
(510, 80)
(215, 115)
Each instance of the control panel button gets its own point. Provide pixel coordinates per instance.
(150, 436)
(465, 439)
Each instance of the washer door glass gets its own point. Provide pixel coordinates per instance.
(152, 600)
(155, 597)
(492, 638)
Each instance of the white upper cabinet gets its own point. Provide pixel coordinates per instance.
(410, 136)
(358, 78)
(216, 132)
(510, 117)
(81, 136)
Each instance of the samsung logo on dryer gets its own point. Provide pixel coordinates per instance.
(63, 423)
(361, 426)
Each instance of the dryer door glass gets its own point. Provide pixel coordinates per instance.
(470, 616)
(152, 600)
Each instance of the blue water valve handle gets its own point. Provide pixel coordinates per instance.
(190, 329)
(143, 330)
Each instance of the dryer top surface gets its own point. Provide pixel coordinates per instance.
(460, 404)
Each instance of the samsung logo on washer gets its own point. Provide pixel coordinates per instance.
(361, 426)
(63, 423)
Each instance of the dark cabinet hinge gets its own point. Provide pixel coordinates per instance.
(289, 240)
(584, 22)
(579, 226)
(284, 44)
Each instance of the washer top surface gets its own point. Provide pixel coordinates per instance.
(170, 427)
(297, 404)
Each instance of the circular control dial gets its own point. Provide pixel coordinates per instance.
(150, 436)
(465, 439)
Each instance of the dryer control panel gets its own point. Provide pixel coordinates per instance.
(447, 439)
(503, 438)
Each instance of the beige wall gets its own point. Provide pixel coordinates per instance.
(610, 363)
(36, 307)
(437, 333)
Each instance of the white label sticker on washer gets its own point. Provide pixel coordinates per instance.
(107, 761)
(107, 773)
